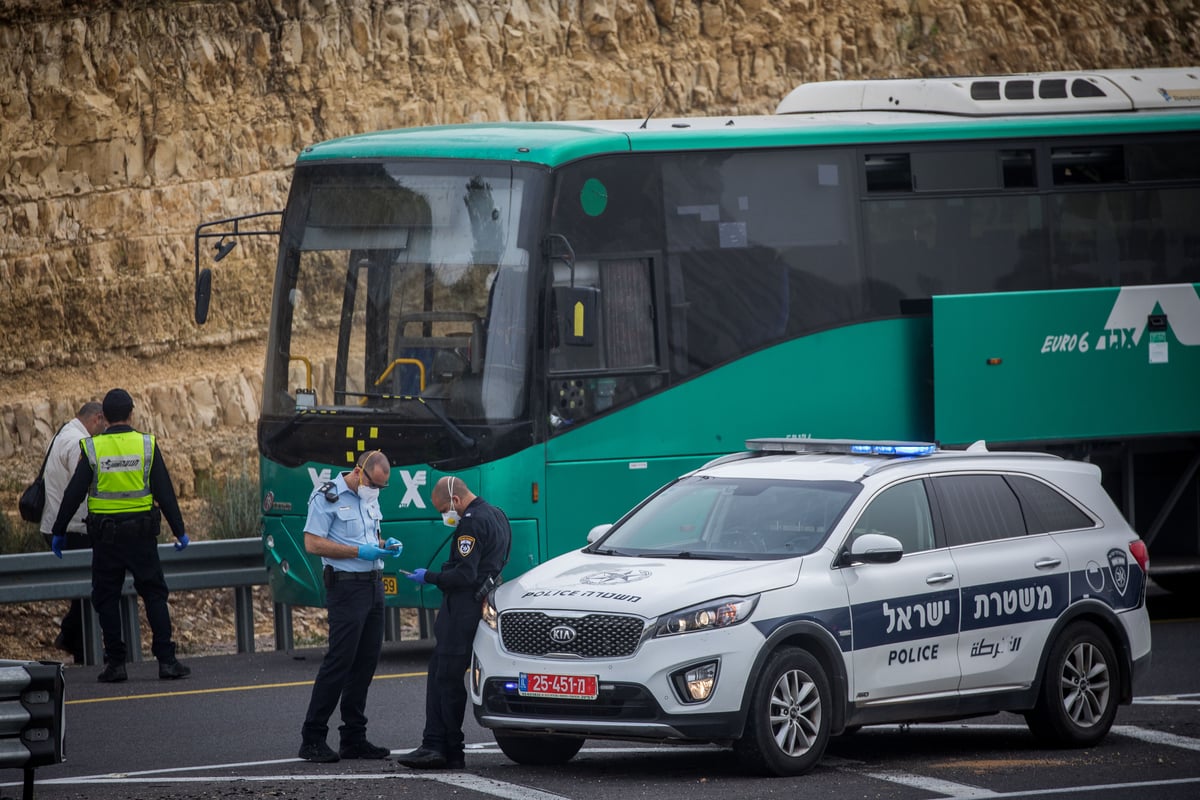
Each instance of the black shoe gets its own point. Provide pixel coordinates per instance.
(319, 753)
(113, 672)
(456, 762)
(170, 670)
(363, 749)
(423, 758)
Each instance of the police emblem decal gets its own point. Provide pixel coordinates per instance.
(1118, 565)
(465, 545)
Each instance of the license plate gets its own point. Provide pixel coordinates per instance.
(389, 584)
(577, 687)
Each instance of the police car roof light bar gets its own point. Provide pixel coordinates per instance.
(847, 446)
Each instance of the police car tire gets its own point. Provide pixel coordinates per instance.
(541, 749)
(1080, 690)
(794, 689)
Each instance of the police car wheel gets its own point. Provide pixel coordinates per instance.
(787, 727)
(1080, 690)
(538, 749)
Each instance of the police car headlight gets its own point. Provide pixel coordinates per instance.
(708, 616)
(490, 614)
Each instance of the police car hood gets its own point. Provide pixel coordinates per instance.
(646, 586)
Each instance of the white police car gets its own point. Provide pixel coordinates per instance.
(777, 597)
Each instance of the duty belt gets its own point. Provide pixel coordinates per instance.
(343, 575)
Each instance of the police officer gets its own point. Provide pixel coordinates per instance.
(482, 538)
(122, 475)
(343, 528)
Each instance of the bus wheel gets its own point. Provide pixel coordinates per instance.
(1078, 699)
(538, 749)
(787, 727)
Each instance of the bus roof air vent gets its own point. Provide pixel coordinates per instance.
(1004, 95)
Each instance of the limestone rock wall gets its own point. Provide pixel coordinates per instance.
(124, 124)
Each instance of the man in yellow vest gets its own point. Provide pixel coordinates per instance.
(125, 480)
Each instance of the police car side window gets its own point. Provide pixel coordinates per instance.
(1046, 510)
(902, 512)
(978, 508)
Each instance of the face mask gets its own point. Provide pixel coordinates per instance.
(450, 518)
(368, 494)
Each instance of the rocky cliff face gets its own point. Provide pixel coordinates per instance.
(124, 124)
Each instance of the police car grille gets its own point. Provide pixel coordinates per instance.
(596, 635)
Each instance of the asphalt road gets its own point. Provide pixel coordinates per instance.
(232, 731)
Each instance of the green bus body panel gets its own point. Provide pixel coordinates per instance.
(1073, 364)
(555, 144)
(426, 540)
(860, 381)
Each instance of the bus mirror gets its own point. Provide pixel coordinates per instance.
(576, 312)
(203, 292)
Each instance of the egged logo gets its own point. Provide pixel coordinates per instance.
(1118, 565)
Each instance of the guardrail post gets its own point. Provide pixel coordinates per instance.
(131, 627)
(93, 643)
(283, 628)
(391, 624)
(243, 602)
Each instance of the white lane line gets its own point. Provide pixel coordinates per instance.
(1157, 737)
(462, 780)
(1090, 791)
(935, 785)
(1190, 699)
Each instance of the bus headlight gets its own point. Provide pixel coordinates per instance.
(490, 614)
(707, 616)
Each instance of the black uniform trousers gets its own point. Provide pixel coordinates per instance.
(355, 610)
(445, 688)
(136, 552)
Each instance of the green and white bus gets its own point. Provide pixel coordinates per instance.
(568, 315)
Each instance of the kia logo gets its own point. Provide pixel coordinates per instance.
(562, 634)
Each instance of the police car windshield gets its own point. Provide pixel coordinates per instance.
(733, 518)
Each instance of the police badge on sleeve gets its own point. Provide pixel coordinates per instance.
(465, 545)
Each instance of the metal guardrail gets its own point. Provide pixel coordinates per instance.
(230, 563)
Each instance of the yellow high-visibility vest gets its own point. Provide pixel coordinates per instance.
(120, 472)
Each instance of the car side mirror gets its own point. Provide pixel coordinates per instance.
(872, 548)
(598, 531)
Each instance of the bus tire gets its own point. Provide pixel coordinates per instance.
(1078, 699)
(538, 749)
(787, 727)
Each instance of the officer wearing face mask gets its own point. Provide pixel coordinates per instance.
(343, 528)
(481, 541)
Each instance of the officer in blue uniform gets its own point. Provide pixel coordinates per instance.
(343, 528)
(482, 539)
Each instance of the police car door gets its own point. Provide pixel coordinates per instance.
(904, 615)
(1014, 585)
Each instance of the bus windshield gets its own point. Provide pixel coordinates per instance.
(405, 289)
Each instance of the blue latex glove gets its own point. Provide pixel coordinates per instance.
(417, 575)
(370, 552)
(182, 542)
(394, 547)
(56, 544)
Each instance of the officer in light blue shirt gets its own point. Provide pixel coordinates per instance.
(343, 528)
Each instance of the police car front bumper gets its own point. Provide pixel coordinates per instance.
(639, 697)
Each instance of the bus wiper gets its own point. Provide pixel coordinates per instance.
(465, 441)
